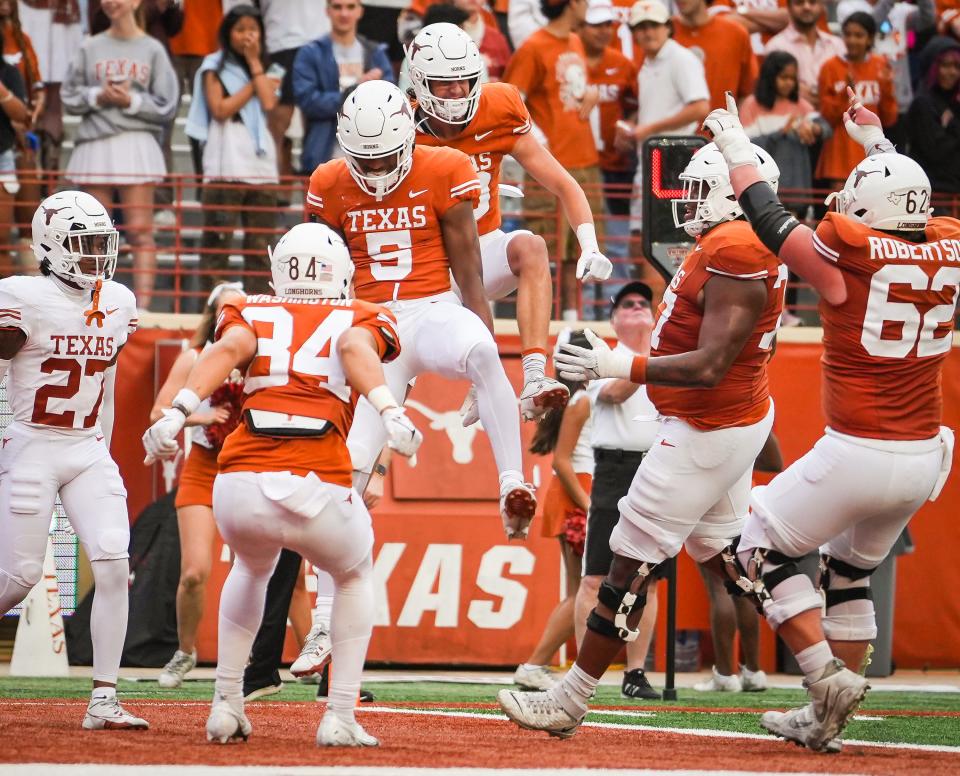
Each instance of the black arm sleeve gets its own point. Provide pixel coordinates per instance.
(770, 220)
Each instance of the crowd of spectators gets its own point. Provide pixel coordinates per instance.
(599, 76)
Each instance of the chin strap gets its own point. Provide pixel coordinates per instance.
(95, 314)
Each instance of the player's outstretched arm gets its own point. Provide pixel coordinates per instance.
(360, 361)
(235, 347)
(462, 245)
(731, 309)
(538, 162)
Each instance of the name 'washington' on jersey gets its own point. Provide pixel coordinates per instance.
(741, 398)
(56, 379)
(501, 119)
(296, 371)
(884, 346)
(396, 243)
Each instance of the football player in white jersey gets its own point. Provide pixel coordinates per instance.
(60, 335)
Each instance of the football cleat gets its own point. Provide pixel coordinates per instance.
(315, 653)
(835, 696)
(636, 685)
(518, 505)
(752, 681)
(227, 722)
(176, 669)
(333, 731)
(719, 683)
(529, 677)
(538, 711)
(108, 714)
(541, 395)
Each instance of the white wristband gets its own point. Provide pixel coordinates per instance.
(186, 401)
(587, 237)
(381, 399)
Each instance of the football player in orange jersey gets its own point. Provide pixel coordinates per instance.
(888, 277)
(407, 215)
(285, 472)
(488, 122)
(711, 345)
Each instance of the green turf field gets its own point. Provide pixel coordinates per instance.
(877, 720)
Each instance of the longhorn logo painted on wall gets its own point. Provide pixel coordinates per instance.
(461, 439)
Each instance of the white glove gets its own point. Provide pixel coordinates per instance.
(864, 127)
(593, 265)
(402, 435)
(579, 364)
(729, 136)
(470, 410)
(160, 440)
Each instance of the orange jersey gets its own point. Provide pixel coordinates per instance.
(872, 80)
(727, 55)
(296, 371)
(616, 78)
(741, 398)
(551, 73)
(396, 243)
(500, 119)
(884, 346)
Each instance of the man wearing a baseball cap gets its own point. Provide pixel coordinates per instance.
(625, 424)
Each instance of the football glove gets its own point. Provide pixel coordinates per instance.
(593, 266)
(160, 440)
(579, 364)
(864, 127)
(402, 435)
(727, 131)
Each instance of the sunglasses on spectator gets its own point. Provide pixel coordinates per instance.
(629, 304)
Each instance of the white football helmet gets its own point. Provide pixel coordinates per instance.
(376, 122)
(311, 260)
(444, 52)
(708, 197)
(73, 232)
(886, 191)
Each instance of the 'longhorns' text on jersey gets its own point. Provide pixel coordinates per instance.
(296, 371)
(396, 243)
(741, 398)
(56, 380)
(883, 348)
(500, 119)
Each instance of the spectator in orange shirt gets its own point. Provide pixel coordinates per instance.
(550, 71)
(869, 75)
(615, 77)
(722, 45)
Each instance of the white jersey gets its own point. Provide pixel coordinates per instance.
(56, 379)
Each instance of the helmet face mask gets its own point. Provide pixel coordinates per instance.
(376, 124)
(887, 192)
(443, 53)
(311, 261)
(74, 235)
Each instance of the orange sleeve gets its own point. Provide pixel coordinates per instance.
(733, 251)
(832, 105)
(460, 181)
(523, 71)
(230, 315)
(382, 324)
(516, 113)
(321, 183)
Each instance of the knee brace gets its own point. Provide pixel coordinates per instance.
(849, 614)
(623, 601)
(776, 584)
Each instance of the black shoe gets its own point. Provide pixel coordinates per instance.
(635, 685)
(324, 687)
(260, 688)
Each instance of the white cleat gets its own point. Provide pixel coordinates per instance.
(541, 395)
(108, 714)
(835, 697)
(173, 672)
(538, 711)
(227, 721)
(315, 653)
(518, 505)
(528, 677)
(752, 681)
(719, 683)
(333, 731)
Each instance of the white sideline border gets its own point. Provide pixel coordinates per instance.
(30, 769)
